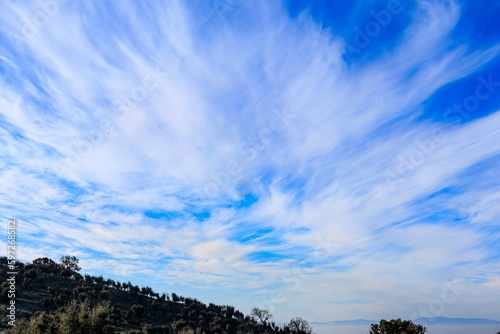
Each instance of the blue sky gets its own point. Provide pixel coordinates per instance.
(316, 158)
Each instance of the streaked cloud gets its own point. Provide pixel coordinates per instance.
(231, 152)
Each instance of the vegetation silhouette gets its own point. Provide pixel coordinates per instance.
(53, 297)
(397, 326)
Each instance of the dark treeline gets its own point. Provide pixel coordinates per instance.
(53, 297)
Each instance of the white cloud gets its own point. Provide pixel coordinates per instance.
(178, 110)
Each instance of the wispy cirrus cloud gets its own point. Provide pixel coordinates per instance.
(210, 150)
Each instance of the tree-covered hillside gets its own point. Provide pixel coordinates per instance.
(53, 297)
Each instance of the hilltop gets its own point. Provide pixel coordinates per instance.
(54, 297)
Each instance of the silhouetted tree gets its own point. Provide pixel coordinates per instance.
(99, 280)
(261, 315)
(299, 326)
(397, 326)
(88, 279)
(134, 289)
(44, 261)
(44, 264)
(70, 262)
(110, 282)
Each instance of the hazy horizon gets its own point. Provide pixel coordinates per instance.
(322, 159)
(475, 329)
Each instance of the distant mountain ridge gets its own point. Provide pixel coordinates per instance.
(455, 321)
(347, 322)
(421, 321)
